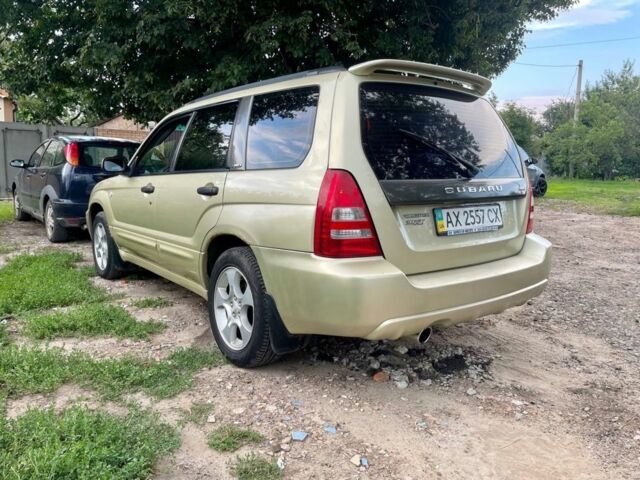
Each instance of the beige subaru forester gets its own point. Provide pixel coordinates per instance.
(377, 201)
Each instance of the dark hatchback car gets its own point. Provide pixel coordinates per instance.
(54, 185)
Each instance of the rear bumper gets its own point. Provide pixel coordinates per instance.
(69, 214)
(371, 298)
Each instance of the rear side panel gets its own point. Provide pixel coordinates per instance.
(404, 212)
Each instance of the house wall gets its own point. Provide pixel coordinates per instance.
(6, 110)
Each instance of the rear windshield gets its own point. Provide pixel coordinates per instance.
(415, 132)
(92, 154)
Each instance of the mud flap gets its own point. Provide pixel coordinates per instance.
(281, 340)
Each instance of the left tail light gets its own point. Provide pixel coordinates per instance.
(530, 211)
(72, 154)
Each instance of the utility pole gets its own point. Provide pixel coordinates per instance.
(576, 114)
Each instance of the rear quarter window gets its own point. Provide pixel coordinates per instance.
(92, 154)
(281, 128)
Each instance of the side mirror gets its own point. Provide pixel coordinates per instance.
(18, 163)
(113, 164)
(533, 161)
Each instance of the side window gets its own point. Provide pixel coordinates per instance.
(59, 158)
(281, 128)
(158, 154)
(36, 156)
(49, 154)
(206, 143)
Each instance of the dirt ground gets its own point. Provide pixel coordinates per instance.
(549, 390)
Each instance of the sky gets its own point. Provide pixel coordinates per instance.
(587, 21)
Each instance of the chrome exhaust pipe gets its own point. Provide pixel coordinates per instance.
(424, 335)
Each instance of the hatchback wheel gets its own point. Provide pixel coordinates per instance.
(55, 232)
(106, 257)
(238, 311)
(17, 208)
(541, 188)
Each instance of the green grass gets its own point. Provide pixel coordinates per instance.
(230, 438)
(254, 467)
(5, 339)
(83, 444)
(157, 302)
(30, 370)
(6, 212)
(197, 413)
(612, 197)
(46, 280)
(89, 320)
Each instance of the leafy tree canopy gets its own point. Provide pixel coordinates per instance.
(98, 58)
(524, 127)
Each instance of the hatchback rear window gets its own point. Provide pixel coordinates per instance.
(415, 132)
(92, 154)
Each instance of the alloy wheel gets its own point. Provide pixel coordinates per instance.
(100, 246)
(233, 307)
(49, 221)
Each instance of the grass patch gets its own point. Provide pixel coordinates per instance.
(46, 280)
(231, 438)
(612, 197)
(6, 212)
(88, 270)
(30, 370)
(89, 320)
(197, 413)
(157, 302)
(5, 339)
(80, 443)
(254, 467)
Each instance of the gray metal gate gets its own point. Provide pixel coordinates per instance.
(19, 140)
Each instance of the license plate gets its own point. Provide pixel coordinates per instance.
(471, 219)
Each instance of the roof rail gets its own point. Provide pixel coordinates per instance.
(471, 81)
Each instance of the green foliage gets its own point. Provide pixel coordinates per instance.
(6, 212)
(32, 370)
(83, 444)
(46, 280)
(89, 320)
(254, 467)
(98, 57)
(230, 438)
(5, 339)
(523, 126)
(613, 197)
(197, 413)
(157, 302)
(606, 141)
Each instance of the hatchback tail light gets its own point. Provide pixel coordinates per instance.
(530, 211)
(343, 224)
(72, 154)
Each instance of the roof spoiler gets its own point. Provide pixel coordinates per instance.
(470, 81)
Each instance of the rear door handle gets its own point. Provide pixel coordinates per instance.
(209, 190)
(148, 188)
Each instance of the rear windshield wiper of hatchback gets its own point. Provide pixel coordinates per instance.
(470, 167)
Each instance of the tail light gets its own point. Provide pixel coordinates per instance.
(530, 211)
(72, 154)
(343, 224)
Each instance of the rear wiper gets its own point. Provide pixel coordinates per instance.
(450, 155)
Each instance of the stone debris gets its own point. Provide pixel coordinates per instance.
(471, 391)
(381, 377)
(356, 459)
(299, 436)
(211, 418)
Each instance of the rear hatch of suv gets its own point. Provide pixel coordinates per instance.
(448, 187)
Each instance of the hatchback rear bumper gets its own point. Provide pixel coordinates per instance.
(371, 298)
(69, 214)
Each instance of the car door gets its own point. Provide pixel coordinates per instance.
(40, 174)
(189, 200)
(133, 197)
(29, 193)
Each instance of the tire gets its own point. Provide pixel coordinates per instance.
(541, 188)
(240, 321)
(106, 256)
(55, 232)
(19, 214)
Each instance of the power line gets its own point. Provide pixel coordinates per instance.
(623, 39)
(542, 65)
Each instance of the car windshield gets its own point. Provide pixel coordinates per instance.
(92, 154)
(417, 132)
